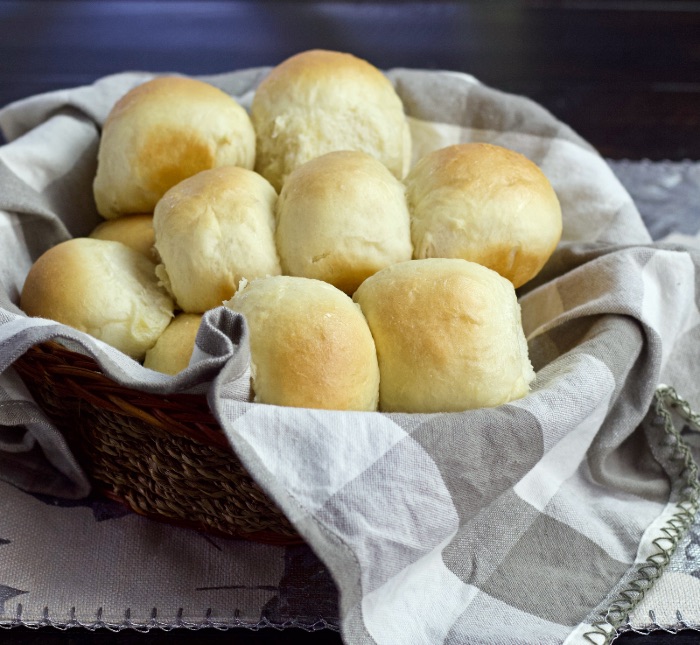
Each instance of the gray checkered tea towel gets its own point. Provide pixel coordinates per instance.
(541, 521)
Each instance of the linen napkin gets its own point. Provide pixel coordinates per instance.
(541, 521)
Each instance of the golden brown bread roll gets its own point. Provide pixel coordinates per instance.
(100, 287)
(173, 349)
(211, 231)
(342, 217)
(486, 204)
(136, 231)
(448, 335)
(319, 101)
(161, 132)
(310, 345)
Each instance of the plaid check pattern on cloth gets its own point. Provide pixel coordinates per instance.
(541, 521)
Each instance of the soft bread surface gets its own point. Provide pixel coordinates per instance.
(342, 217)
(448, 335)
(173, 349)
(136, 231)
(310, 345)
(161, 132)
(487, 204)
(100, 287)
(319, 101)
(211, 231)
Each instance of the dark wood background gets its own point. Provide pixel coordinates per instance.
(625, 74)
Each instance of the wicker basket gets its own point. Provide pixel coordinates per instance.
(163, 457)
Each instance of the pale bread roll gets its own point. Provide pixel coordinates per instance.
(136, 231)
(319, 101)
(162, 132)
(342, 217)
(487, 204)
(448, 334)
(100, 287)
(310, 345)
(173, 349)
(211, 231)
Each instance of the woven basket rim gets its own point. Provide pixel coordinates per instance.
(78, 368)
(162, 456)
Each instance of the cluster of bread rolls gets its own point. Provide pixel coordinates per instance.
(365, 284)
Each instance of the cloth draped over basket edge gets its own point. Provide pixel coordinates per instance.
(532, 518)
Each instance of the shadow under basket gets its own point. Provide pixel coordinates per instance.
(164, 457)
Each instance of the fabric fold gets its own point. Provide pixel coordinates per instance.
(32, 449)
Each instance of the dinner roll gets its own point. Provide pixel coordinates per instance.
(161, 132)
(340, 218)
(100, 287)
(134, 230)
(319, 101)
(448, 335)
(173, 349)
(212, 230)
(310, 345)
(487, 204)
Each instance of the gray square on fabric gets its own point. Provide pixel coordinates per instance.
(483, 453)
(537, 564)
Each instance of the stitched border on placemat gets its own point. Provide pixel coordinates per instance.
(666, 402)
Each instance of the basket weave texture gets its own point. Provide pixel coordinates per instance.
(163, 457)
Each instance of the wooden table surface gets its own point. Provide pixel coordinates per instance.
(625, 74)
